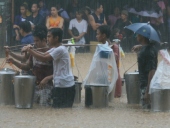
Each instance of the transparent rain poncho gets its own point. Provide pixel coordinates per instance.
(103, 69)
(161, 78)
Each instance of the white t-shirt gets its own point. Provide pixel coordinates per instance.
(62, 74)
(81, 27)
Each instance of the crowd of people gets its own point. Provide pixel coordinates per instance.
(81, 23)
(84, 25)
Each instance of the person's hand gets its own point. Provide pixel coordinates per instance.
(136, 48)
(147, 98)
(76, 38)
(44, 82)
(7, 50)
(27, 48)
(17, 38)
(10, 60)
(15, 26)
(24, 49)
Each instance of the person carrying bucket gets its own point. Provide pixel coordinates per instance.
(63, 92)
(38, 68)
(147, 58)
(103, 34)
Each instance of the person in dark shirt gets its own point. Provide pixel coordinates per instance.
(35, 18)
(43, 10)
(18, 20)
(127, 41)
(147, 64)
(122, 22)
(72, 8)
(97, 19)
(25, 31)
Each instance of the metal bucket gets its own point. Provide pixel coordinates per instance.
(160, 100)
(6, 86)
(24, 87)
(96, 96)
(132, 88)
(78, 89)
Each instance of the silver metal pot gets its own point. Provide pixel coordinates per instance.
(132, 88)
(160, 100)
(78, 89)
(24, 87)
(96, 96)
(6, 86)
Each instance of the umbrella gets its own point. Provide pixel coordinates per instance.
(146, 13)
(144, 29)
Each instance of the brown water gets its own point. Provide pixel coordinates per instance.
(118, 115)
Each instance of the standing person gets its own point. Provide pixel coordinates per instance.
(43, 10)
(72, 8)
(35, 18)
(54, 21)
(96, 20)
(40, 69)
(81, 25)
(147, 64)
(64, 89)
(63, 13)
(25, 31)
(103, 35)
(126, 43)
(18, 20)
(113, 17)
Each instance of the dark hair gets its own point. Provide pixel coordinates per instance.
(24, 5)
(105, 29)
(80, 11)
(88, 9)
(26, 26)
(36, 4)
(57, 32)
(96, 6)
(40, 31)
(54, 6)
(115, 30)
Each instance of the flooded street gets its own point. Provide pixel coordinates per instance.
(118, 115)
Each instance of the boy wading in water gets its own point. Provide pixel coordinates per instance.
(64, 90)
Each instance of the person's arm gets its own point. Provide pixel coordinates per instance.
(105, 23)
(136, 48)
(45, 80)
(47, 23)
(39, 56)
(93, 23)
(23, 66)
(61, 23)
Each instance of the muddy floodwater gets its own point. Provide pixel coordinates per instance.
(118, 115)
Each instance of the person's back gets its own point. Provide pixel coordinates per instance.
(25, 31)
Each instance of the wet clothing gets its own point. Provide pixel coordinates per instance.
(64, 89)
(118, 89)
(99, 21)
(147, 61)
(41, 69)
(63, 97)
(62, 73)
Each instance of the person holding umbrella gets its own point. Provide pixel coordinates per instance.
(147, 58)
